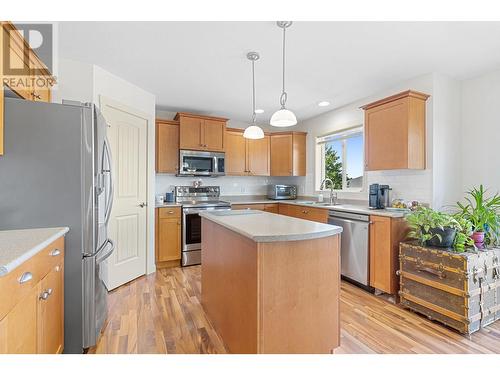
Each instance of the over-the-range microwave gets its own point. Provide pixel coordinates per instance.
(201, 163)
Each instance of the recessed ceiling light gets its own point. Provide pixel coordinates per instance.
(259, 111)
(323, 104)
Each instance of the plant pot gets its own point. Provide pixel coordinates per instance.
(478, 237)
(447, 237)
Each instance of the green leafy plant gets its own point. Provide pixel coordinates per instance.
(424, 219)
(463, 238)
(483, 213)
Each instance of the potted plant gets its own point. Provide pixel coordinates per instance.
(483, 213)
(433, 228)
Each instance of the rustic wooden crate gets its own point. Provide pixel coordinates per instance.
(461, 290)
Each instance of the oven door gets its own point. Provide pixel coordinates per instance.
(191, 229)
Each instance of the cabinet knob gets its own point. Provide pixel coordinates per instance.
(25, 277)
(55, 252)
(46, 294)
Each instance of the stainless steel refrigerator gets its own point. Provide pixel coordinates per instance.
(56, 171)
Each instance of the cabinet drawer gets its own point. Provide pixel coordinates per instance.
(13, 290)
(308, 213)
(255, 206)
(166, 212)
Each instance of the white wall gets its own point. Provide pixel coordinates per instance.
(75, 81)
(87, 83)
(481, 132)
(447, 143)
(406, 184)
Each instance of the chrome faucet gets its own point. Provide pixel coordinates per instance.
(333, 196)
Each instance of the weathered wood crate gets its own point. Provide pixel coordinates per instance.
(460, 290)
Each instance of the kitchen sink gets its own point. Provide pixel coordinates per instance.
(311, 203)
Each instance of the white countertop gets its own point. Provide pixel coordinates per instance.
(262, 226)
(355, 208)
(168, 204)
(17, 246)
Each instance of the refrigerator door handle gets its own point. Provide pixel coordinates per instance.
(106, 253)
(109, 200)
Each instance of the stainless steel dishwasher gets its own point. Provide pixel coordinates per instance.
(354, 256)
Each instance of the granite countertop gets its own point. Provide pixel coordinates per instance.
(17, 246)
(300, 201)
(262, 226)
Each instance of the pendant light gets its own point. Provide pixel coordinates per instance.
(253, 131)
(283, 117)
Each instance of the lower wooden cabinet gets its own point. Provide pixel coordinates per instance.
(50, 317)
(385, 235)
(168, 236)
(308, 213)
(32, 312)
(268, 207)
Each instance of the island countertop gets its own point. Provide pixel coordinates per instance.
(262, 226)
(17, 246)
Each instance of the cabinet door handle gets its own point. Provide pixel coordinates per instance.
(46, 294)
(170, 212)
(55, 252)
(25, 277)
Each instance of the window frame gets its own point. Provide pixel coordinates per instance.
(320, 159)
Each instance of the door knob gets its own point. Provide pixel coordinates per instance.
(143, 204)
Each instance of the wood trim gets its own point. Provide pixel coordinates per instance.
(433, 284)
(171, 122)
(289, 132)
(178, 115)
(404, 94)
(434, 307)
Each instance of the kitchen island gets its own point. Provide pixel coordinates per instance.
(271, 283)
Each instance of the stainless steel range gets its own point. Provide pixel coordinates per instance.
(195, 199)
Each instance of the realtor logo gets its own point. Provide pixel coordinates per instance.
(20, 66)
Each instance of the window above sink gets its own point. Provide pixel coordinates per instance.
(340, 157)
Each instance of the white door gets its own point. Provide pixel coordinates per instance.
(127, 134)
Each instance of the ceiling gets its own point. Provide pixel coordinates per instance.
(202, 67)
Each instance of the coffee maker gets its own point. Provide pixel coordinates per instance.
(379, 196)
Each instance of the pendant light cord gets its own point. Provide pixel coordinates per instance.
(283, 96)
(254, 116)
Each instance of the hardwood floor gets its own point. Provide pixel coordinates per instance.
(161, 313)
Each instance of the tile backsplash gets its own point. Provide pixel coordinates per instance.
(230, 185)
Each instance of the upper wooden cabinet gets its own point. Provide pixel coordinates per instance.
(288, 154)
(31, 81)
(201, 133)
(395, 132)
(167, 146)
(246, 157)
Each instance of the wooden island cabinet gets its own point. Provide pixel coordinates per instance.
(270, 283)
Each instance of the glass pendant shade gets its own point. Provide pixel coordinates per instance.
(283, 118)
(253, 132)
